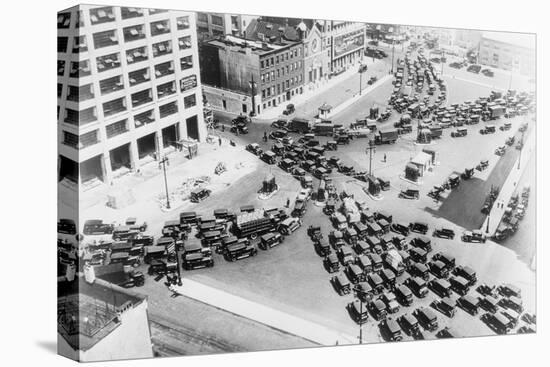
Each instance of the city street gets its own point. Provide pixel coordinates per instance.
(291, 277)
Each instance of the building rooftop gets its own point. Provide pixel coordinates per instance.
(257, 47)
(526, 40)
(87, 313)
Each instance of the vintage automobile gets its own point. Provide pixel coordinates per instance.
(270, 240)
(97, 227)
(378, 310)
(417, 286)
(279, 124)
(358, 311)
(289, 225)
(488, 303)
(409, 324)
(509, 290)
(419, 227)
(438, 268)
(331, 263)
(513, 303)
(345, 254)
(422, 242)
(409, 194)
(355, 273)
(497, 322)
(447, 332)
(404, 295)
(400, 228)
(427, 318)
(200, 194)
(322, 247)
(341, 284)
(445, 305)
(469, 304)
(418, 255)
(278, 134)
(460, 285)
(474, 236)
(196, 261)
(467, 273)
(240, 250)
(254, 148)
(390, 329)
(269, 157)
(443, 232)
(390, 300)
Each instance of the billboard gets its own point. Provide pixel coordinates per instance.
(346, 43)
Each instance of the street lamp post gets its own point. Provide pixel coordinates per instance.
(162, 164)
(370, 150)
(361, 71)
(358, 294)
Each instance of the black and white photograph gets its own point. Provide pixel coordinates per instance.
(231, 182)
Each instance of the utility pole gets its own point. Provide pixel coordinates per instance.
(392, 53)
(371, 149)
(359, 294)
(361, 71)
(164, 162)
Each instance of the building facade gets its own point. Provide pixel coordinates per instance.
(269, 73)
(128, 88)
(515, 52)
(213, 25)
(347, 42)
(316, 55)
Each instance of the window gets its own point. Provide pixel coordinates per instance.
(133, 33)
(263, 93)
(162, 48)
(59, 90)
(268, 92)
(273, 75)
(217, 20)
(273, 90)
(278, 89)
(63, 20)
(113, 107)
(278, 73)
(136, 55)
(142, 97)
(295, 52)
(202, 17)
(190, 101)
(168, 109)
(128, 13)
(262, 78)
(156, 11)
(183, 23)
(110, 85)
(287, 69)
(80, 44)
(163, 69)
(266, 77)
(105, 39)
(166, 89)
(80, 69)
(70, 139)
(184, 42)
(272, 63)
(144, 118)
(116, 128)
(139, 76)
(108, 62)
(186, 62)
(79, 94)
(160, 27)
(102, 15)
(277, 59)
(80, 118)
(87, 139)
(62, 43)
(60, 67)
(287, 84)
(262, 64)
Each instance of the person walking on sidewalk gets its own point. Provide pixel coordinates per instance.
(384, 157)
(287, 202)
(220, 140)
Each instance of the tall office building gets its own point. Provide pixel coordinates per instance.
(128, 89)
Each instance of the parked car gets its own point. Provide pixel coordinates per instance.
(497, 322)
(419, 227)
(443, 232)
(446, 306)
(467, 273)
(390, 329)
(469, 304)
(409, 324)
(426, 318)
(378, 309)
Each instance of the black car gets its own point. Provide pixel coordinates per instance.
(443, 232)
(467, 273)
(419, 227)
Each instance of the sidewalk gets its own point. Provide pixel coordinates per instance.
(509, 186)
(300, 99)
(263, 314)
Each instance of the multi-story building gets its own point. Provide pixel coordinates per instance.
(310, 32)
(347, 42)
(128, 88)
(99, 321)
(247, 76)
(509, 51)
(213, 25)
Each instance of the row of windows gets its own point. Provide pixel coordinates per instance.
(268, 92)
(281, 72)
(110, 108)
(79, 69)
(107, 14)
(274, 60)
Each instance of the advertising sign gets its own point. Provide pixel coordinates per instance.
(189, 82)
(346, 43)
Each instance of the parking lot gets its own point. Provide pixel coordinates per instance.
(291, 277)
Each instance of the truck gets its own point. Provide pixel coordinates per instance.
(496, 112)
(324, 128)
(299, 125)
(394, 262)
(386, 136)
(253, 224)
(436, 132)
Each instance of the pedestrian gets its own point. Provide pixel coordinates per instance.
(223, 128)
(265, 136)
(384, 157)
(220, 140)
(287, 202)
